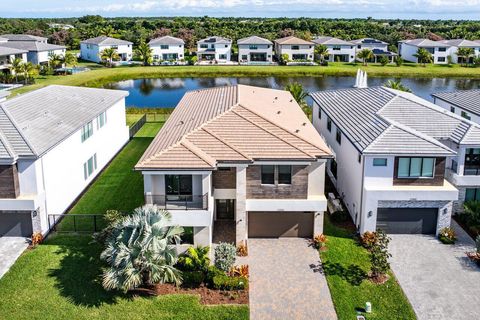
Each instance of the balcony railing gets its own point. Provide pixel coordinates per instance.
(471, 171)
(178, 202)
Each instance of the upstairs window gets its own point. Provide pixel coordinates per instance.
(442, 49)
(319, 113)
(114, 47)
(179, 185)
(380, 162)
(268, 174)
(284, 174)
(337, 48)
(339, 136)
(87, 131)
(90, 166)
(295, 47)
(452, 109)
(472, 194)
(253, 47)
(466, 115)
(101, 120)
(204, 46)
(416, 167)
(281, 173)
(329, 124)
(164, 46)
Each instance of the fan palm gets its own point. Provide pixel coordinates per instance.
(465, 54)
(140, 250)
(397, 85)
(423, 56)
(144, 53)
(365, 55)
(109, 55)
(55, 60)
(321, 51)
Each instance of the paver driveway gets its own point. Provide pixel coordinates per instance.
(284, 284)
(10, 249)
(439, 280)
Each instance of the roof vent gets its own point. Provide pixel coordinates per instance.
(291, 100)
(278, 112)
(276, 98)
(181, 122)
(297, 131)
(304, 124)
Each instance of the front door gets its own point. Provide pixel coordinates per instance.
(225, 209)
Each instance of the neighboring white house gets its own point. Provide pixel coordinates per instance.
(167, 48)
(408, 48)
(465, 103)
(338, 49)
(378, 47)
(255, 50)
(53, 142)
(38, 49)
(295, 48)
(455, 44)
(393, 156)
(91, 49)
(214, 49)
(263, 179)
(7, 55)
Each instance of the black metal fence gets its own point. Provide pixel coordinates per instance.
(78, 223)
(157, 117)
(138, 125)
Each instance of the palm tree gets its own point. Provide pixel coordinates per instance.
(29, 70)
(55, 60)
(140, 250)
(397, 85)
(107, 31)
(321, 51)
(70, 59)
(299, 94)
(17, 67)
(109, 55)
(472, 212)
(365, 55)
(423, 56)
(144, 53)
(465, 54)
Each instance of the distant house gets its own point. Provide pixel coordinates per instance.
(255, 49)
(167, 48)
(440, 51)
(53, 142)
(7, 55)
(379, 48)
(295, 48)
(38, 49)
(465, 103)
(61, 26)
(91, 49)
(214, 49)
(455, 44)
(339, 50)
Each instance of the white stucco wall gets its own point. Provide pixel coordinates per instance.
(91, 52)
(457, 111)
(407, 51)
(40, 57)
(287, 49)
(244, 49)
(158, 52)
(343, 50)
(220, 49)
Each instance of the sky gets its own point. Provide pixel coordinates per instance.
(380, 9)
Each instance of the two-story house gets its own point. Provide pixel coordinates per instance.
(255, 50)
(294, 48)
(338, 50)
(439, 51)
(393, 151)
(378, 47)
(91, 49)
(214, 49)
(38, 50)
(167, 48)
(7, 55)
(455, 44)
(238, 156)
(465, 103)
(53, 142)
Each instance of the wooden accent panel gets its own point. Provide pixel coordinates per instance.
(437, 180)
(9, 187)
(225, 179)
(297, 190)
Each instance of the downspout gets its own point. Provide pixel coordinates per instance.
(361, 195)
(45, 192)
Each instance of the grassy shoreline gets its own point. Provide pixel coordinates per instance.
(100, 76)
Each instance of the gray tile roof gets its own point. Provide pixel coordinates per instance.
(23, 37)
(332, 41)
(468, 100)
(367, 41)
(461, 43)
(106, 41)
(166, 40)
(254, 40)
(472, 136)
(5, 51)
(35, 122)
(215, 39)
(31, 46)
(382, 120)
(425, 43)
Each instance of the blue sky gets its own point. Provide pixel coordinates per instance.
(417, 9)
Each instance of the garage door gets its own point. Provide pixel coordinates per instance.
(405, 220)
(15, 224)
(280, 224)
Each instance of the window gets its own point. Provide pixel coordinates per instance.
(452, 109)
(442, 49)
(466, 115)
(114, 47)
(359, 46)
(268, 174)
(164, 46)
(295, 47)
(472, 162)
(253, 47)
(176, 185)
(416, 167)
(155, 57)
(379, 162)
(319, 113)
(244, 57)
(51, 53)
(226, 46)
(204, 46)
(333, 168)
(87, 131)
(90, 166)
(284, 174)
(441, 59)
(222, 56)
(336, 48)
(101, 120)
(472, 194)
(339, 136)
(359, 158)
(329, 124)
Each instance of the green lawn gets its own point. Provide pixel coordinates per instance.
(60, 279)
(101, 75)
(346, 265)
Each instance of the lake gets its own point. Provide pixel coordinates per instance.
(167, 92)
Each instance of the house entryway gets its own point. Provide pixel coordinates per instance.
(224, 228)
(258, 56)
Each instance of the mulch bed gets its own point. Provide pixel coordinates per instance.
(207, 296)
(472, 233)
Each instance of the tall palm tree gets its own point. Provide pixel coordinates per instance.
(17, 67)
(29, 70)
(140, 250)
(423, 56)
(321, 51)
(70, 59)
(299, 94)
(109, 55)
(55, 60)
(465, 54)
(365, 55)
(397, 85)
(108, 31)
(144, 53)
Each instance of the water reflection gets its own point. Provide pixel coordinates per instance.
(166, 92)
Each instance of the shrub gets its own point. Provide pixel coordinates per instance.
(37, 238)
(368, 239)
(224, 282)
(477, 243)
(383, 60)
(284, 58)
(111, 217)
(212, 272)
(379, 256)
(225, 256)
(399, 61)
(320, 241)
(447, 236)
(340, 216)
(324, 63)
(471, 214)
(192, 279)
(239, 271)
(195, 259)
(242, 249)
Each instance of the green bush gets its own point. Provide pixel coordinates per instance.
(471, 214)
(340, 216)
(383, 60)
(379, 255)
(212, 273)
(225, 254)
(192, 279)
(224, 282)
(447, 236)
(195, 259)
(399, 61)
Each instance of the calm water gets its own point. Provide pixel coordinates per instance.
(166, 92)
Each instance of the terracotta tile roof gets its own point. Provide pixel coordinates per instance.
(233, 124)
(292, 40)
